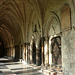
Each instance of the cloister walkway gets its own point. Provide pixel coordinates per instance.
(8, 67)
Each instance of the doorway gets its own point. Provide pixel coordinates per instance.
(40, 53)
(34, 53)
(2, 49)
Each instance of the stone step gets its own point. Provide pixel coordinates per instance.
(50, 72)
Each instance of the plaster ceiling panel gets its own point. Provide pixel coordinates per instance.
(22, 11)
(55, 4)
(18, 1)
(1, 2)
(4, 0)
(12, 11)
(28, 11)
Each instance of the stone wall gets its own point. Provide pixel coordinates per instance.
(68, 52)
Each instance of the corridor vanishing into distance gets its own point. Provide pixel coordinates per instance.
(9, 67)
(37, 37)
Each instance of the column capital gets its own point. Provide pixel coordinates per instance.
(46, 38)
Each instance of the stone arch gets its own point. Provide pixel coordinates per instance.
(55, 41)
(35, 44)
(56, 50)
(34, 20)
(52, 28)
(33, 51)
(39, 51)
(52, 23)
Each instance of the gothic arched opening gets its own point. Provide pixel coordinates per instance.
(2, 49)
(56, 50)
(17, 51)
(40, 54)
(34, 53)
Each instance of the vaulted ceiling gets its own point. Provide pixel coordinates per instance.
(14, 16)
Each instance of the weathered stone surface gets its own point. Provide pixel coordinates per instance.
(68, 49)
(22, 21)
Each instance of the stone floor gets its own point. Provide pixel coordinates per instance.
(17, 68)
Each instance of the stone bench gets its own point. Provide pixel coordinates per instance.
(52, 71)
(49, 72)
(59, 73)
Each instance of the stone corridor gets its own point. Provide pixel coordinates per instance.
(37, 37)
(8, 67)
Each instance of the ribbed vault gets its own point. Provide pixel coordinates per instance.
(16, 16)
(11, 21)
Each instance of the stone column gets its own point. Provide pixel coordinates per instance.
(28, 52)
(24, 54)
(50, 54)
(31, 52)
(17, 51)
(42, 51)
(21, 51)
(6, 51)
(46, 51)
(9, 52)
(13, 51)
(37, 56)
